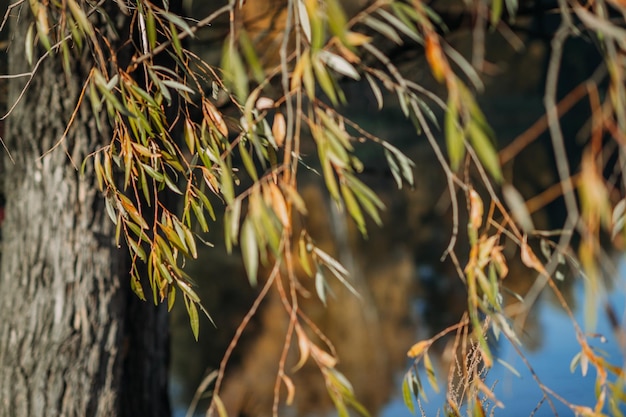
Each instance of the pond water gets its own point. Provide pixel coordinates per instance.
(553, 347)
(520, 394)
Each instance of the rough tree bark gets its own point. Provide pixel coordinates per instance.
(74, 340)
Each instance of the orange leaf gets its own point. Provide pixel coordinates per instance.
(476, 210)
(418, 348)
(435, 57)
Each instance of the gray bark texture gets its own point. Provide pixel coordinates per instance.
(74, 340)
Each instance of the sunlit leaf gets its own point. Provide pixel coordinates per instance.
(291, 389)
(250, 54)
(248, 163)
(376, 90)
(419, 348)
(485, 150)
(320, 286)
(325, 80)
(435, 57)
(171, 298)
(339, 64)
(476, 210)
(303, 19)
(279, 129)
(353, 208)
(430, 372)
(337, 20)
(135, 285)
(406, 395)
(383, 28)
(221, 409)
(194, 322)
(496, 12)
(304, 345)
(398, 24)
(249, 251)
(178, 21)
(518, 208)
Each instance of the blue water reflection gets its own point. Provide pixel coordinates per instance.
(551, 362)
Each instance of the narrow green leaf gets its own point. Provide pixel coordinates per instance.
(406, 395)
(303, 254)
(171, 185)
(171, 298)
(137, 249)
(496, 12)
(153, 173)
(320, 285)
(197, 210)
(376, 90)
(454, 136)
(227, 186)
(324, 80)
(485, 150)
(408, 30)
(353, 209)
(178, 48)
(430, 372)
(135, 285)
(307, 76)
(151, 29)
(178, 86)
(174, 239)
(178, 21)
(190, 241)
(250, 251)
(248, 163)
(249, 53)
(383, 28)
(337, 21)
(194, 322)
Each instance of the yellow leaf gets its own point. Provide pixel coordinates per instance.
(291, 389)
(419, 348)
(278, 204)
(217, 402)
(430, 371)
(357, 39)
(304, 344)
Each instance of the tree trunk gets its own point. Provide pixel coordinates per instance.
(74, 340)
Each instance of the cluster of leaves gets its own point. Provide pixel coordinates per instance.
(150, 105)
(594, 215)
